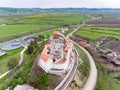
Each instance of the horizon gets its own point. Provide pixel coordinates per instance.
(59, 8)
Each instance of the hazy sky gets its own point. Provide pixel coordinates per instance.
(60, 3)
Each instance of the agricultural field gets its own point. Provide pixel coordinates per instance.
(111, 20)
(111, 16)
(57, 19)
(42, 19)
(111, 23)
(94, 33)
(12, 27)
(16, 29)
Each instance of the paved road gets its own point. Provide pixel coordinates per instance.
(70, 76)
(21, 56)
(4, 74)
(92, 79)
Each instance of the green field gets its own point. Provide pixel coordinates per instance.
(98, 32)
(56, 19)
(42, 19)
(13, 27)
(116, 86)
(16, 29)
(5, 59)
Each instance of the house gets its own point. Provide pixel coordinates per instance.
(112, 54)
(112, 57)
(115, 61)
(83, 42)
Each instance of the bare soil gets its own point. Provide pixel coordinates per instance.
(115, 46)
(77, 83)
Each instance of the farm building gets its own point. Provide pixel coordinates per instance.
(111, 54)
(83, 43)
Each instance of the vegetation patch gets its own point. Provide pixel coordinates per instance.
(84, 67)
(97, 32)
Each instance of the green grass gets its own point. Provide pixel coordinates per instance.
(70, 19)
(116, 86)
(16, 29)
(5, 59)
(17, 25)
(98, 32)
(84, 68)
(42, 19)
(104, 80)
(88, 34)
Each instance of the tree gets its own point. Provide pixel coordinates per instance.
(12, 63)
(30, 49)
(48, 36)
(33, 46)
(41, 38)
(41, 81)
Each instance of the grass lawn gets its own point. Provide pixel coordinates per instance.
(16, 29)
(116, 87)
(5, 59)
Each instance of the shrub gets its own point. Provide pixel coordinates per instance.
(12, 63)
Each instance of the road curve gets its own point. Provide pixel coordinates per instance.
(70, 76)
(92, 79)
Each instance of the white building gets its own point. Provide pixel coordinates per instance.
(56, 55)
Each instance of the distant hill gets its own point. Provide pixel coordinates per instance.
(7, 11)
(10, 11)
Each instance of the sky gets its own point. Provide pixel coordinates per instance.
(60, 3)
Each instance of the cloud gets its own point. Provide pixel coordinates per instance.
(60, 3)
